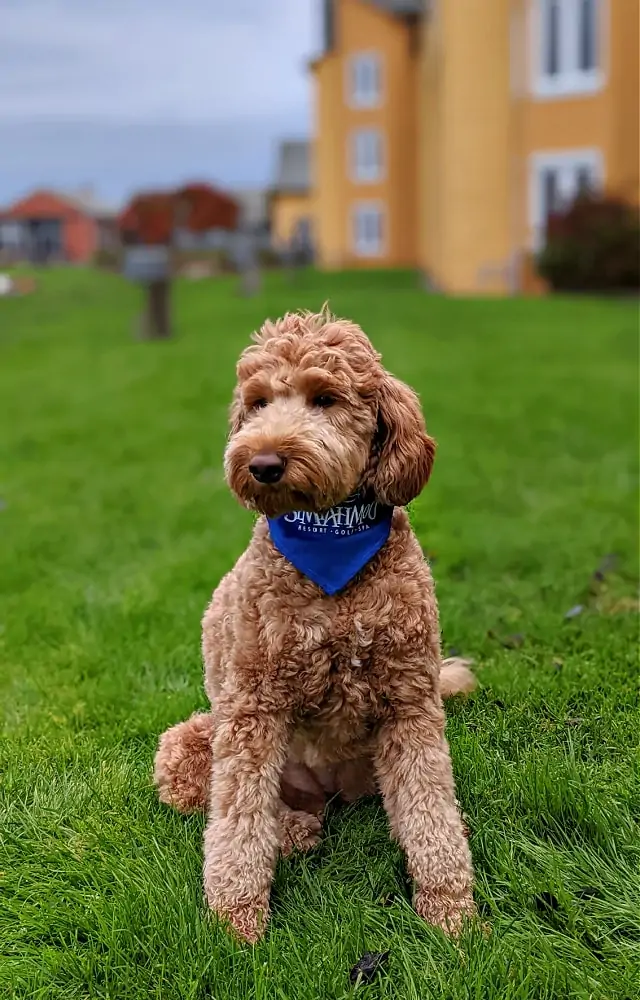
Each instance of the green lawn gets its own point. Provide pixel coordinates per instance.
(116, 525)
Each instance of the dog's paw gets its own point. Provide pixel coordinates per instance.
(445, 911)
(246, 921)
(300, 831)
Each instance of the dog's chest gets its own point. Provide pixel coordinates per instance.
(334, 661)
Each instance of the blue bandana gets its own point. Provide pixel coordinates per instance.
(331, 547)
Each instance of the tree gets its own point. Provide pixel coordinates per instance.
(150, 220)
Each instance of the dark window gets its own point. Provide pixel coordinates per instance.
(584, 180)
(329, 25)
(45, 239)
(303, 231)
(552, 39)
(550, 193)
(587, 34)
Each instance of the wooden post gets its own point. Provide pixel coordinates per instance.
(156, 322)
(248, 264)
(150, 267)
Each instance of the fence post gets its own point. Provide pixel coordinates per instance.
(156, 319)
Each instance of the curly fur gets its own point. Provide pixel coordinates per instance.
(315, 696)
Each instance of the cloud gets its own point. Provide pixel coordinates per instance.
(196, 60)
(150, 87)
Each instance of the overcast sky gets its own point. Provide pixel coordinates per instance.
(124, 94)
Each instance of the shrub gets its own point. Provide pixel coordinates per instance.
(593, 245)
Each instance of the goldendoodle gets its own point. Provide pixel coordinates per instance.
(322, 645)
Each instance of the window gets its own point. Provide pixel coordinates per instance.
(368, 229)
(11, 235)
(567, 47)
(366, 155)
(556, 180)
(364, 80)
(551, 39)
(329, 24)
(588, 30)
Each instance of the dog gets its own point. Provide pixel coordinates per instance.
(322, 645)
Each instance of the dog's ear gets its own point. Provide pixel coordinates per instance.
(403, 451)
(236, 412)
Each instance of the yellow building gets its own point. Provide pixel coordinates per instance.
(446, 130)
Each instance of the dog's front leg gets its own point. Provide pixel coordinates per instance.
(242, 836)
(416, 779)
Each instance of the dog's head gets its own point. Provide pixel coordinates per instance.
(315, 416)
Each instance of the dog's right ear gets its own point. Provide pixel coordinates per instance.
(405, 452)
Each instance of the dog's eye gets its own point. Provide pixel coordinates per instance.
(324, 401)
(259, 404)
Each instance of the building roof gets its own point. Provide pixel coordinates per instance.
(48, 201)
(396, 8)
(294, 166)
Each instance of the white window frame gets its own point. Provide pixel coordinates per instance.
(358, 66)
(11, 233)
(367, 155)
(570, 80)
(566, 163)
(362, 247)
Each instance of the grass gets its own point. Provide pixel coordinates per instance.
(116, 525)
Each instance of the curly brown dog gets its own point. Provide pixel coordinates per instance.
(332, 687)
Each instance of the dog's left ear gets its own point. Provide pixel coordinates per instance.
(405, 452)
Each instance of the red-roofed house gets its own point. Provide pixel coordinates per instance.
(50, 225)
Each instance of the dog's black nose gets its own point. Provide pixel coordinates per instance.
(267, 467)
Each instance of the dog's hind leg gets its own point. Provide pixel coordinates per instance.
(183, 761)
(182, 770)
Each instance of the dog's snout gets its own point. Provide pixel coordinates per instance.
(267, 467)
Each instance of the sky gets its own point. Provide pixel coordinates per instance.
(123, 95)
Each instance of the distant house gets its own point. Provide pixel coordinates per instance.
(50, 225)
(291, 208)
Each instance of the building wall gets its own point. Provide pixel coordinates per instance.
(79, 231)
(605, 121)
(465, 137)
(330, 204)
(286, 211)
(623, 99)
(80, 238)
(463, 125)
(480, 125)
(361, 27)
